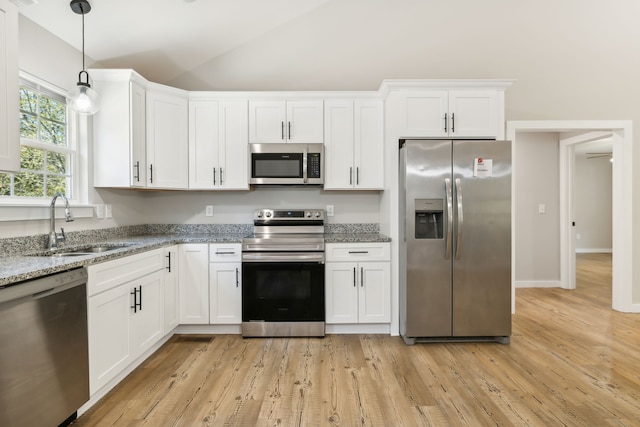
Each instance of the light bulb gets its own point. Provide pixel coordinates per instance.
(84, 100)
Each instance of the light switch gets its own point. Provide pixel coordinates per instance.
(329, 210)
(99, 211)
(209, 210)
(107, 211)
(542, 208)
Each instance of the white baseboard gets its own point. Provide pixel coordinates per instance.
(538, 284)
(594, 251)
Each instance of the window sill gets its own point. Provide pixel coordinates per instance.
(34, 212)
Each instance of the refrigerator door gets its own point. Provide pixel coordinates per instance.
(482, 238)
(426, 290)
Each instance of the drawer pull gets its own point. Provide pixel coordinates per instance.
(358, 252)
(226, 253)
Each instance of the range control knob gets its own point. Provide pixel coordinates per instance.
(307, 214)
(317, 214)
(268, 214)
(260, 214)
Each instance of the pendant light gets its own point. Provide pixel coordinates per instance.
(82, 98)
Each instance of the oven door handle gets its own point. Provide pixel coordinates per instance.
(317, 257)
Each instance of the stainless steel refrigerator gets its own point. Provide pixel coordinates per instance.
(455, 253)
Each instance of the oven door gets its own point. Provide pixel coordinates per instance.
(283, 294)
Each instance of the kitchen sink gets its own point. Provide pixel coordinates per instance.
(85, 250)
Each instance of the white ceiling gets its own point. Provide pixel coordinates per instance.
(162, 39)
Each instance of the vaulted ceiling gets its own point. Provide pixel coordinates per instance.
(163, 39)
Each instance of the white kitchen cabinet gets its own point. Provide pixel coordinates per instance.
(450, 113)
(9, 88)
(354, 144)
(194, 283)
(171, 289)
(125, 313)
(358, 283)
(225, 283)
(291, 121)
(167, 137)
(119, 129)
(218, 145)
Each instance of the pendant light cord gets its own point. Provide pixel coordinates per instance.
(83, 67)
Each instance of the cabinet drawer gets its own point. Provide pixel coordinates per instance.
(110, 274)
(357, 251)
(225, 252)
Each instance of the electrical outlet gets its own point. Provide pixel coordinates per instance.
(542, 208)
(329, 210)
(108, 211)
(99, 211)
(578, 236)
(208, 210)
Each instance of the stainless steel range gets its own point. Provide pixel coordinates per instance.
(283, 274)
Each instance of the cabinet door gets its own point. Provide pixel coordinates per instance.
(341, 292)
(147, 321)
(167, 139)
(109, 335)
(234, 147)
(171, 290)
(225, 293)
(473, 113)
(267, 122)
(203, 144)
(374, 298)
(369, 145)
(422, 114)
(338, 146)
(9, 103)
(194, 283)
(305, 122)
(138, 134)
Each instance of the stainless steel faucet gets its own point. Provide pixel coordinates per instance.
(55, 237)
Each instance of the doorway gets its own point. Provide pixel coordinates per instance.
(622, 290)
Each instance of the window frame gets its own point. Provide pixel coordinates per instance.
(79, 194)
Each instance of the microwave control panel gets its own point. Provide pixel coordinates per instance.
(313, 165)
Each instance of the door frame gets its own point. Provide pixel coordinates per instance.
(622, 200)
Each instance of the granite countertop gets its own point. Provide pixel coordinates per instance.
(30, 265)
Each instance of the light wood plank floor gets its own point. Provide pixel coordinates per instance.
(572, 361)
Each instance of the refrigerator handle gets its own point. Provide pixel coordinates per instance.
(447, 185)
(460, 219)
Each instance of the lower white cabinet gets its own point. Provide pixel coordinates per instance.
(194, 283)
(358, 283)
(225, 283)
(125, 318)
(171, 289)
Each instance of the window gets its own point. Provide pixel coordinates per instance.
(46, 153)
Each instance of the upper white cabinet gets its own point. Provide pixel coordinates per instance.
(9, 88)
(119, 129)
(218, 145)
(167, 137)
(292, 121)
(354, 144)
(464, 113)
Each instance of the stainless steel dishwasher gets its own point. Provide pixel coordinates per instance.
(44, 362)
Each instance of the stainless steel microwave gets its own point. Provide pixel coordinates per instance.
(287, 164)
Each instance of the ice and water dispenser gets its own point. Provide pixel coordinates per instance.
(429, 218)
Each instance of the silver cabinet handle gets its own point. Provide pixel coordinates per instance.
(460, 219)
(447, 185)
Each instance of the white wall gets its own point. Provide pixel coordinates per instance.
(592, 198)
(537, 181)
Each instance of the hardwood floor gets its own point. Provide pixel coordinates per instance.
(572, 361)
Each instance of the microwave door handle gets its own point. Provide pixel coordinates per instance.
(304, 167)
